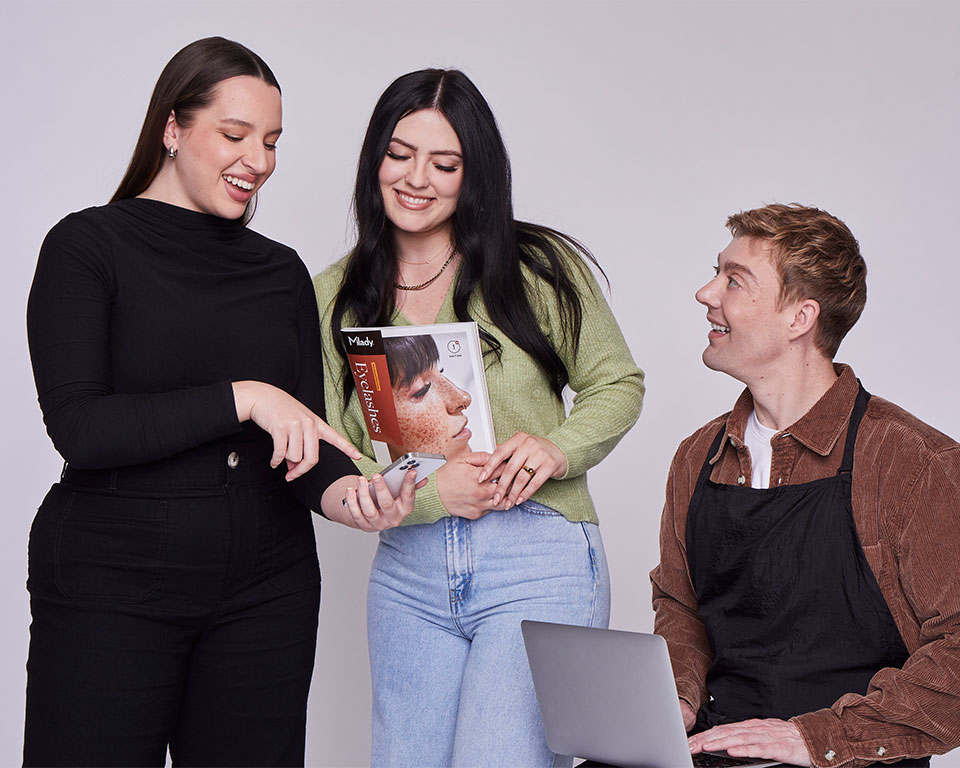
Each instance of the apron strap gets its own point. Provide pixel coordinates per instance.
(859, 407)
(707, 467)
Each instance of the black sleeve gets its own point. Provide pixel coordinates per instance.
(333, 464)
(68, 327)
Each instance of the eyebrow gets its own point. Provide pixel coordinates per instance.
(743, 269)
(408, 145)
(244, 124)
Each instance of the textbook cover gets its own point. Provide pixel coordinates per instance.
(421, 388)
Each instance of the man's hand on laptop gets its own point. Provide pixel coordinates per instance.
(770, 739)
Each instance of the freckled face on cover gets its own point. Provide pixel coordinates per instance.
(430, 414)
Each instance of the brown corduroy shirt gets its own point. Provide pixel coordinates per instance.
(906, 505)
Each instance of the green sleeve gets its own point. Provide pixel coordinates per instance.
(608, 385)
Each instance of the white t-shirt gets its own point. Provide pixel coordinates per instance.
(757, 439)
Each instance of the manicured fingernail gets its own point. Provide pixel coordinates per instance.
(496, 498)
(520, 499)
(483, 476)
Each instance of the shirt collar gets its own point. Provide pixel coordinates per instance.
(818, 429)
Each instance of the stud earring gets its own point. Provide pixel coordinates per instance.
(171, 152)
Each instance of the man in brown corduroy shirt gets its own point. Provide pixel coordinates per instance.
(808, 585)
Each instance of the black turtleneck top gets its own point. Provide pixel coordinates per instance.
(140, 317)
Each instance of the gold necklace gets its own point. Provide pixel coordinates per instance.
(421, 263)
(421, 286)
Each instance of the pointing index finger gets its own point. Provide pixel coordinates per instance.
(329, 435)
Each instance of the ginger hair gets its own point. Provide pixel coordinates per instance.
(817, 257)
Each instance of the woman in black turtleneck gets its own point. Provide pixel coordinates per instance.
(173, 573)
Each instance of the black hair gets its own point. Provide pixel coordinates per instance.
(492, 244)
(409, 356)
(186, 85)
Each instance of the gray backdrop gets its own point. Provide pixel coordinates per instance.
(637, 127)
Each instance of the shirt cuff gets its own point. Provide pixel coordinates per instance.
(826, 741)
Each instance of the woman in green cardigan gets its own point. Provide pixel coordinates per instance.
(437, 242)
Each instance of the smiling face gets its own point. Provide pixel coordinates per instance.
(225, 154)
(421, 173)
(430, 413)
(749, 334)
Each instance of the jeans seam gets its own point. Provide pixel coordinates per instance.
(453, 595)
(468, 540)
(232, 527)
(594, 572)
(57, 573)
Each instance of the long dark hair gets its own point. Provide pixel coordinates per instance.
(185, 86)
(491, 243)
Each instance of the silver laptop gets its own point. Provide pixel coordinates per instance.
(610, 696)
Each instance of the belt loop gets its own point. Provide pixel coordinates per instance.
(114, 474)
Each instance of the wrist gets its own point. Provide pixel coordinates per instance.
(331, 501)
(439, 482)
(244, 396)
(561, 458)
(561, 468)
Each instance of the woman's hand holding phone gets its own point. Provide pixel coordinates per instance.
(368, 504)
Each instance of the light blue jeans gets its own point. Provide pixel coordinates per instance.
(451, 685)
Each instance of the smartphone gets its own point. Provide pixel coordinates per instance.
(424, 463)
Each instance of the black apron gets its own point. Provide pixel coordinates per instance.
(793, 613)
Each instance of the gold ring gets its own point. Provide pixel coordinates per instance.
(529, 470)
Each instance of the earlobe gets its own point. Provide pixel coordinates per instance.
(171, 133)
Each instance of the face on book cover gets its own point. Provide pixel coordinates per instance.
(430, 413)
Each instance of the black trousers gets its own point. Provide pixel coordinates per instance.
(171, 611)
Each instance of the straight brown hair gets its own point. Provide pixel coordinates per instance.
(186, 85)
